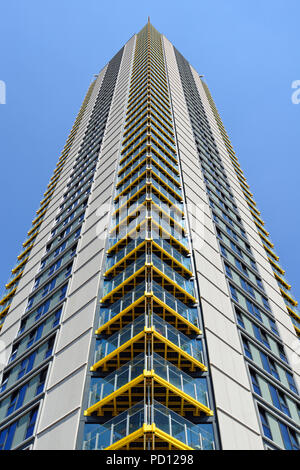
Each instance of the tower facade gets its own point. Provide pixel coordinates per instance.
(147, 309)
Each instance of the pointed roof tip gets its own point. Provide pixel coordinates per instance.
(148, 19)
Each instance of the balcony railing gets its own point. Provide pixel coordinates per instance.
(104, 347)
(100, 437)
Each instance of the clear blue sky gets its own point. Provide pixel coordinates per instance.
(248, 51)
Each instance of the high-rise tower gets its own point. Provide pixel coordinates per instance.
(147, 309)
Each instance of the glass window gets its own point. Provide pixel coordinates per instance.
(253, 264)
(56, 318)
(247, 348)
(68, 271)
(278, 399)
(282, 353)
(228, 270)
(265, 362)
(63, 292)
(265, 424)
(273, 369)
(31, 424)
(259, 282)
(266, 303)
(291, 382)
(49, 347)
(255, 383)
(26, 365)
(253, 310)
(247, 287)
(42, 309)
(273, 326)
(233, 293)
(42, 379)
(289, 437)
(261, 336)
(37, 281)
(240, 319)
(241, 267)
(223, 251)
(54, 267)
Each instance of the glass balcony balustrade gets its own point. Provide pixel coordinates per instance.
(105, 346)
(170, 143)
(136, 211)
(140, 95)
(174, 211)
(137, 145)
(130, 232)
(107, 313)
(167, 194)
(281, 276)
(140, 121)
(128, 161)
(158, 93)
(158, 146)
(170, 184)
(120, 223)
(126, 227)
(196, 436)
(163, 243)
(193, 347)
(278, 268)
(133, 177)
(136, 113)
(31, 237)
(123, 208)
(159, 151)
(159, 123)
(130, 168)
(155, 169)
(142, 130)
(110, 284)
(173, 229)
(293, 308)
(151, 176)
(136, 104)
(161, 126)
(112, 260)
(135, 122)
(101, 388)
(287, 291)
(6, 292)
(288, 298)
(160, 162)
(14, 276)
(4, 306)
(135, 125)
(163, 119)
(160, 107)
(187, 312)
(122, 198)
(187, 285)
(20, 263)
(296, 322)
